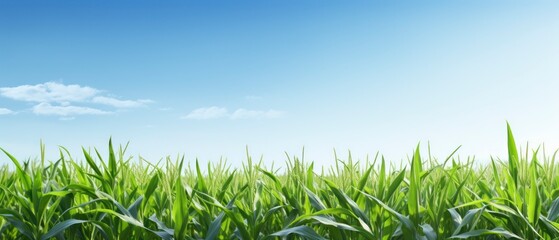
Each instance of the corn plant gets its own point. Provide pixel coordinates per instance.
(113, 196)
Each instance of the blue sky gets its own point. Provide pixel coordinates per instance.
(207, 78)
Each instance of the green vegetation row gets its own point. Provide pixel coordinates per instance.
(115, 197)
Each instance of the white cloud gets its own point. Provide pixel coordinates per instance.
(49, 92)
(207, 113)
(121, 103)
(5, 111)
(242, 113)
(68, 110)
(55, 98)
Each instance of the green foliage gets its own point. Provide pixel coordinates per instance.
(124, 199)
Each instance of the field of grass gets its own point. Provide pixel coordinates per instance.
(114, 197)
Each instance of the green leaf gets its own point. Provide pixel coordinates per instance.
(113, 167)
(330, 221)
(483, 232)
(200, 179)
(414, 194)
(553, 212)
(161, 225)
(534, 204)
(215, 227)
(152, 185)
(395, 184)
(362, 182)
(180, 210)
(22, 175)
(315, 200)
(405, 221)
(346, 201)
(429, 232)
(302, 231)
(513, 155)
(133, 208)
(91, 162)
(470, 219)
(16, 220)
(60, 227)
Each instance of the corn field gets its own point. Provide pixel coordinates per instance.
(110, 196)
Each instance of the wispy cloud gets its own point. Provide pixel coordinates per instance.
(206, 113)
(69, 110)
(120, 103)
(5, 111)
(49, 92)
(241, 113)
(56, 98)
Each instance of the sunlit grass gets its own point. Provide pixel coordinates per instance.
(114, 197)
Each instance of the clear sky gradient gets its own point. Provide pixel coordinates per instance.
(207, 78)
